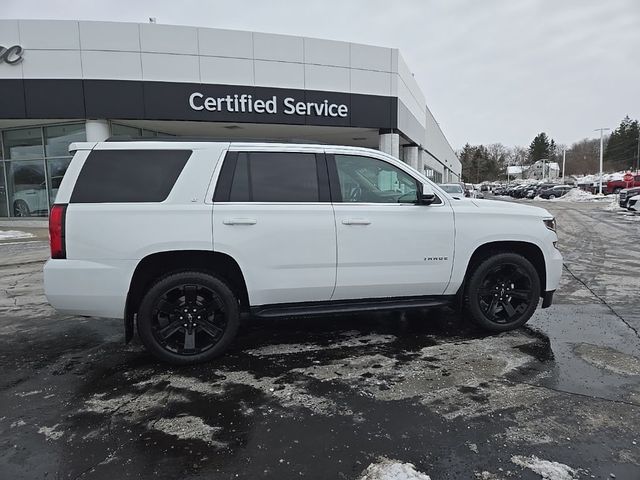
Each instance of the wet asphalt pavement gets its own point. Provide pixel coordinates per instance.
(324, 398)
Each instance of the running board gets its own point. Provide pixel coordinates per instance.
(349, 306)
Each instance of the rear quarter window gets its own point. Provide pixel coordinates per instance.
(112, 176)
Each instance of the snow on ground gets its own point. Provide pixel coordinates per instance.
(187, 427)
(14, 234)
(386, 469)
(576, 195)
(351, 339)
(546, 469)
(613, 204)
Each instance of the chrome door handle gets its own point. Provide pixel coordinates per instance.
(356, 221)
(240, 221)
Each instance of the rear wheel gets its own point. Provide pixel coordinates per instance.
(187, 318)
(502, 292)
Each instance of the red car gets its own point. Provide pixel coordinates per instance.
(614, 186)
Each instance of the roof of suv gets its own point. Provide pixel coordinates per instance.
(128, 138)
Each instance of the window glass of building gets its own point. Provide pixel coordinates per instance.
(117, 130)
(369, 180)
(275, 177)
(27, 188)
(23, 143)
(58, 138)
(3, 193)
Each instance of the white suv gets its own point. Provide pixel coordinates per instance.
(181, 238)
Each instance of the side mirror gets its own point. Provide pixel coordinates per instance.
(427, 196)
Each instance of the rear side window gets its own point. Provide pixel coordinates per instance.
(112, 176)
(275, 177)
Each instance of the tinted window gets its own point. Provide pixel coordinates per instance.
(129, 175)
(275, 177)
(369, 180)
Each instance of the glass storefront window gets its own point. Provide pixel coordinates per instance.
(3, 193)
(56, 169)
(23, 143)
(117, 129)
(58, 138)
(27, 188)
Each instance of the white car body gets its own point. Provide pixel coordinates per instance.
(287, 252)
(634, 203)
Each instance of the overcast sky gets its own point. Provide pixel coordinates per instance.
(491, 70)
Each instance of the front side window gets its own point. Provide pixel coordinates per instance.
(275, 177)
(369, 180)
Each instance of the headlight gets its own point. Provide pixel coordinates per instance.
(550, 223)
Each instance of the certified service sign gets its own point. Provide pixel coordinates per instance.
(244, 103)
(11, 55)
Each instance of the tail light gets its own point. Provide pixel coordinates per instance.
(56, 231)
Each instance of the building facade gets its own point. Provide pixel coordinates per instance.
(67, 81)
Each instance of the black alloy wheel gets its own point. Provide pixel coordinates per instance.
(188, 317)
(503, 292)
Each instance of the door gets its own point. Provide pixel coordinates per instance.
(272, 214)
(388, 244)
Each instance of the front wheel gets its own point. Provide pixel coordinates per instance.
(188, 317)
(502, 292)
(21, 209)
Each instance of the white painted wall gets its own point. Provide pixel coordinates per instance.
(156, 52)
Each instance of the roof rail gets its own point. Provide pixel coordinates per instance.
(129, 138)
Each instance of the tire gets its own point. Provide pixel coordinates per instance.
(203, 302)
(21, 209)
(490, 292)
(551, 197)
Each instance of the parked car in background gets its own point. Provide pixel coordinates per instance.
(634, 203)
(616, 186)
(468, 190)
(454, 189)
(555, 191)
(625, 195)
(34, 201)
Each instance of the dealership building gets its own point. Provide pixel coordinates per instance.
(68, 81)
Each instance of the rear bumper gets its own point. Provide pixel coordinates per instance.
(81, 287)
(547, 298)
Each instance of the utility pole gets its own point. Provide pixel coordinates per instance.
(564, 158)
(601, 134)
(638, 156)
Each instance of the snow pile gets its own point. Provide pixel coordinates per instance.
(14, 234)
(613, 204)
(577, 195)
(386, 469)
(545, 468)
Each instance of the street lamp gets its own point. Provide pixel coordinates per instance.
(601, 133)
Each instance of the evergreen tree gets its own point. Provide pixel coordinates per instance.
(622, 148)
(540, 148)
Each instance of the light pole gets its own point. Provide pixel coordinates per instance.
(638, 156)
(564, 158)
(601, 134)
